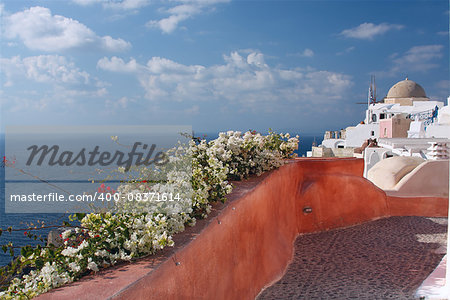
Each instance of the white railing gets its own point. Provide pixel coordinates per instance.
(427, 116)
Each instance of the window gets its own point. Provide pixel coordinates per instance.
(372, 133)
(341, 146)
(382, 116)
(374, 118)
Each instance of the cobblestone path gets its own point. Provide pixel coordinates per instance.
(383, 259)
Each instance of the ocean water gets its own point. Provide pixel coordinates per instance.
(61, 180)
(25, 220)
(18, 220)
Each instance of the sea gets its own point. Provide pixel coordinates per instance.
(27, 220)
(18, 220)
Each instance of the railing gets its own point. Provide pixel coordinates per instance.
(427, 116)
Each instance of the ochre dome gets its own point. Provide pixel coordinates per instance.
(406, 89)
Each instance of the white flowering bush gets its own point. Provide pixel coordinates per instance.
(103, 239)
(234, 156)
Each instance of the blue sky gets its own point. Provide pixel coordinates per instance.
(214, 64)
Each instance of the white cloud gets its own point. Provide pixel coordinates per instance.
(121, 103)
(305, 53)
(443, 33)
(184, 10)
(347, 50)
(169, 24)
(256, 59)
(245, 80)
(158, 65)
(110, 44)
(53, 69)
(86, 2)
(47, 81)
(367, 31)
(38, 29)
(416, 59)
(115, 4)
(419, 58)
(51, 76)
(126, 4)
(308, 53)
(116, 64)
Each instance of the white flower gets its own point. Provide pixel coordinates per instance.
(92, 265)
(74, 267)
(83, 245)
(69, 251)
(66, 234)
(151, 227)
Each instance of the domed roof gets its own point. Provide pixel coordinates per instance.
(406, 89)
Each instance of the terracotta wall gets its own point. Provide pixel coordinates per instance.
(417, 206)
(248, 244)
(252, 245)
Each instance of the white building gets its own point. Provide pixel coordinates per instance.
(441, 128)
(406, 112)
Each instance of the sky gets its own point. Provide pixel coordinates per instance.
(214, 64)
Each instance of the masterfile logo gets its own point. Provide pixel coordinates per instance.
(79, 161)
(54, 156)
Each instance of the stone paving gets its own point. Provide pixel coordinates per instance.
(383, 259)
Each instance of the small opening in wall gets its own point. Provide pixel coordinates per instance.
(307, 210)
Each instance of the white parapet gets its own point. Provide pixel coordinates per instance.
(437, 151)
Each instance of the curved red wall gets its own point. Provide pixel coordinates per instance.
(249, 244)
(253, 242)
